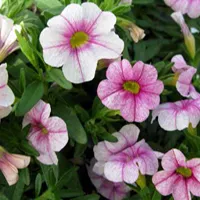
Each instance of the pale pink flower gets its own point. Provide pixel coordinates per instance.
(108, 189)
(124, 160)
(78, 38)
(8, 39)
(190, 7)
(178, 115)
(47, 134)
(188, 37)
(179, 177)
(6, 95)
(132, 90)
(9, 164)
(184, 74)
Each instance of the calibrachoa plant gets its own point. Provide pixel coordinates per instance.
(99, 99)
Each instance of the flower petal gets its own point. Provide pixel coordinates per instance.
(194, 9)
(194, 186)
(179, 64)
(3, 75)
(48, 158)
(5, 111)
(6, 96)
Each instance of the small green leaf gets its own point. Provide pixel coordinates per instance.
(28, 149)
(46, 4)
(25, 176)
(156, 196)
(19, 189)
(88, 197)
(32, 94)
(38, 184)
(57, 76)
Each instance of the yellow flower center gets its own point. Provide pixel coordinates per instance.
(132, 87)
(185, 172)
(78, 39)
(44, 131)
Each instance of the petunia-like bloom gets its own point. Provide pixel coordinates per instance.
(10, 163)
(79, 37)
(124, 160)
(108, 189)
(8, 39)
(47, 134)
(190, 7)
(179, 177)
(178, 115)
(188, 37)
(6, 95)
(184, 74)
(132, 90)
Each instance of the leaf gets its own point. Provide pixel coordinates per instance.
(19, 189)
(74, 126)
(57, 76)
(156, 196)
(70, 193)
(38, 184)
(28, 149)
(25, 176)
(194, 142)
(3, 197)
(46, 4)
(88, 197)
(32, 94)
(143, 1)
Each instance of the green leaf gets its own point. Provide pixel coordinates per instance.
(57, 76)
(3, 197)
(19, 189)
(38, 184)
(194, 142)
(74, 126)
(32, 94)
(70, 193)
(156, 196)
(25, 176)
(46, 4)
(28, 149)
(22, 79)
(88, 197)
(143, 1)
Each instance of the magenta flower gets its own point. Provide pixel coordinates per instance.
(78, 38)
(178, 115)
(9, 164)
(179, 177)
(6, 95)
(108, 189)
(190, 7)
(47, 134)
(122, 161)
(184, 74)
(132, 90)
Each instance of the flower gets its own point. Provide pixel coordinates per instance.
(133, 91)
(178, 115)
(9, 164)
(124, 160)
(190, 7)
(108, 189)
(188, 37)
(78, 38)
(183, 75)
(8, 38)
(47, 134)
(136, 33)
(6, 95)
(179, 177)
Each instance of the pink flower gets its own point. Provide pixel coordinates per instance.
(132, 90)
(9, 164)
(47, 134)
(122, 161)
(190, 7)
(178, 115)
(179, 177)
(184, 74)
(8, 39)
(78, 38)
(6, 95)
(108, 189)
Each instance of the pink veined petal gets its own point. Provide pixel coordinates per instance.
(194, 115)
(173, 159)
(106, 46)
(119, 71)
(95, 19)
(113, 171)
(5, 111)
(155, 88)
(180, 190)
(194, 186)
(164, 182)
(73, 14)
(181, 5)
(194, 9)
(38, 114)
(182, 120)
(99, 168)
(57, 133)
(3, 75)
(56, 47)
(10, 172)
(80, 65)
(195, 171)
(6, 96)
(148, 75)
(138, 68)
(179, 64)
(48, 158)
(130, 172)
(19, 161)
(101, 152)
